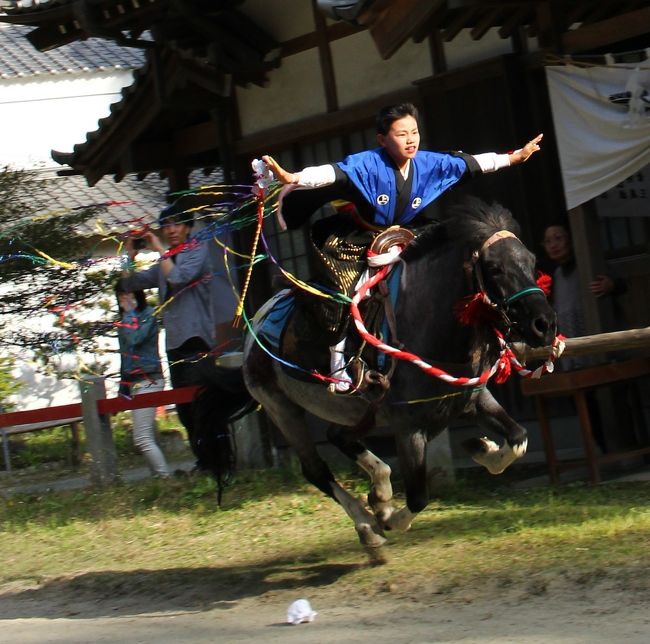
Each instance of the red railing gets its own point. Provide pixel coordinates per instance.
(104, 406)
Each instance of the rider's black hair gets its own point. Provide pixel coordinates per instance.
(391, 113)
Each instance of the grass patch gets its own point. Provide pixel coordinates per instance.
(273, 531)
(51, 447)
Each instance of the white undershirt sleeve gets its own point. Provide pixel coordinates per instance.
(491, 161)
(316, 176)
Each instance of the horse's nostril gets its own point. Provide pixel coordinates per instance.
(540, 326)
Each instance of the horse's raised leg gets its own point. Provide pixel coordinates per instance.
(490, 415)
(291, 422)
(411, 450)
(290, 419)
(381, 490)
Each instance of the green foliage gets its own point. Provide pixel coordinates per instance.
(33, 233)
(52, 446)
(8, 384)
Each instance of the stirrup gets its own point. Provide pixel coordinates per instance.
(337, 369)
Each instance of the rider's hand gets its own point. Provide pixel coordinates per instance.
(280, 173)
(520, 156)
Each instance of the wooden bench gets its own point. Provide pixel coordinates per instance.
(576, 384)
(72, 423)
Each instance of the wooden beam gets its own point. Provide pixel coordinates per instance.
(326, 64)
(606, 32)
(490, 19)
(629, 340)
(398, 22)
(310, 41)
(550, 24)
(458, 23)
(431, 25)
(516, 20)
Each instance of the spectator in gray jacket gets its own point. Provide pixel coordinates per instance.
(185, 278)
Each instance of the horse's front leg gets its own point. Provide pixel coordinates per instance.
(381, 490)
(490, 415)
(412, 454)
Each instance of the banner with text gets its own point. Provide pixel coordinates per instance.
(602, 124)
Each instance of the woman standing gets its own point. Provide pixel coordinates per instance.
(140, 372)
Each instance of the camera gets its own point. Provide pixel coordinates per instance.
(139, 243)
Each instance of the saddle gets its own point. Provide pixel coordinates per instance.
(297, 333)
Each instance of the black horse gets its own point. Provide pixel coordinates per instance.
(465, 252)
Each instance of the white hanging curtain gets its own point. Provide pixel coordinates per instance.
(602, 124)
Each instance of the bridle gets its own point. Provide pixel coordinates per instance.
(501, 305)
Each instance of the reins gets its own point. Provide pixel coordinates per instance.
(506, 360)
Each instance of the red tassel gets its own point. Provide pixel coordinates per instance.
(545, 282)
(504, 369)
(474, 310)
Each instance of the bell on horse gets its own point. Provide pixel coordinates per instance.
(474, 248)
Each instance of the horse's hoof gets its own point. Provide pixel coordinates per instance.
(494, 458)
(400, 520)
(368, 537)
(377, 556)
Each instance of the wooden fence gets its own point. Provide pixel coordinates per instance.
(95, 410)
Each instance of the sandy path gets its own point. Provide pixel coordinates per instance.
(602, 609)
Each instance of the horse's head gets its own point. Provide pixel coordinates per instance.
(504, 270)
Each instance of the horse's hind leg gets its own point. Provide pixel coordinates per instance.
(381, 490)
(490, 415)
(290, 419)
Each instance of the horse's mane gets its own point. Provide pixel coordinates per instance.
(468, 223)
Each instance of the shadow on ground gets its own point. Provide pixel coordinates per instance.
(134, 592)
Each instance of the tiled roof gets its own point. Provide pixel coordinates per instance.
(17, 5)
(19, 58)
(131, 200)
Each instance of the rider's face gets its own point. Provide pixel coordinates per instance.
(402, 140)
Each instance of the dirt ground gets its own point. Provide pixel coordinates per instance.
(210, 605)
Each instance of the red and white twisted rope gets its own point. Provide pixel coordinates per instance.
(502, 365)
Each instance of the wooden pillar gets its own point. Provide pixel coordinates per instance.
(437, 52)
(178, 179)
(99, 437)
(221, 116)
(551, 23)
(590, 261)
(326, 63)
(614, 411)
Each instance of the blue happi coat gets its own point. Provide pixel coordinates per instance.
(373, 173)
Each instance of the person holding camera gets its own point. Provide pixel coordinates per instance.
(197, 307)
(140, 371)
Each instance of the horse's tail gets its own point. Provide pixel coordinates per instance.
(218, 404)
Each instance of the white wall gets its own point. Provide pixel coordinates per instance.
(40, 114)
(463, 50)
(295, 90)
(361, 74)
